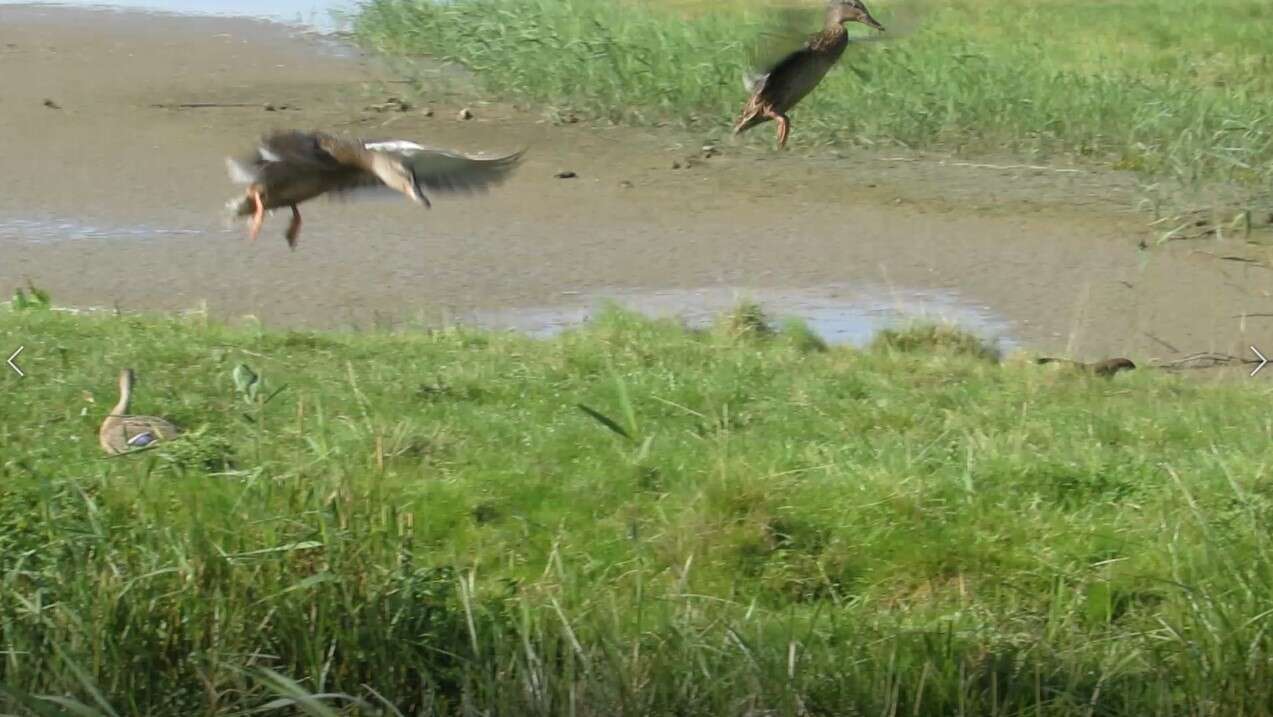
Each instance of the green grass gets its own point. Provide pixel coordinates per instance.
(1169, 88)
(743, 522)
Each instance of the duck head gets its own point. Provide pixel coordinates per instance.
(842, 11)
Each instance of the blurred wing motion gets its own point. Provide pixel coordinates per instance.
(290, 167)
(441, 170)
(786, 33)
(344, 166)
(297, 152)
(755, 81)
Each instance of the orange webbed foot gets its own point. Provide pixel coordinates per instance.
(258, 217)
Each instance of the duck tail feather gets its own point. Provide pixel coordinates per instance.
(239, 173)
(754, 81)
(238, 207)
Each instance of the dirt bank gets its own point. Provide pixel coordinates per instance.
(109, 199)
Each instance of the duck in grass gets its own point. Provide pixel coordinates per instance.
(1104, 369)
(122, 433)
(777, 90)
(291, 166)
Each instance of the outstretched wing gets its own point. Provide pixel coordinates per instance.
(445, 171)
(357, 168)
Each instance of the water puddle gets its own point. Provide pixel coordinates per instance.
(840, 315)
(43, 231)
(324, 16)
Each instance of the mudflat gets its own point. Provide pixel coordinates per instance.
(114, 127)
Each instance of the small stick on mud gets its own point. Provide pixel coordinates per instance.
(1205, 359)
(206, 105)
(1162, 343)
(979, 165)
(1232, 257)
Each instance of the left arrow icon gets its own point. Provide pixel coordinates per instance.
(13, 362)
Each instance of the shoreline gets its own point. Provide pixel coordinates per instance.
(1054, 254)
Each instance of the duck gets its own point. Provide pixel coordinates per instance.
(293, 166)
(122, 433)
(1105, 368)
(777, 90)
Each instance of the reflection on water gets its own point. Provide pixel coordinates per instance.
(40, 231)
(840, 315)
(311, 14)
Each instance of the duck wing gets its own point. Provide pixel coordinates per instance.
(446, 171)
(292, 150)
(122, 434)
(409, 168)
(784, 33)
(356, 167)
(778, 71)
(780, 49)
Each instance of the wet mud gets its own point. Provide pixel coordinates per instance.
(114, 127)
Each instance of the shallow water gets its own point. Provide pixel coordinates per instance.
(840, 315)
(317, 15)
(55, 230)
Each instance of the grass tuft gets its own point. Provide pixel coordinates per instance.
(935, 338)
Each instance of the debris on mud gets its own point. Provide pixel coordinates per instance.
(52, 105)
(465, 114)
(426, 111)
(1205, 223)
(393, 104)
(1204, 360)
(565, 174)
(268, 106)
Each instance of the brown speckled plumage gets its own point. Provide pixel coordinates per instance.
(793, 77)
(290, 167)
(121, 433)
(1104, 369)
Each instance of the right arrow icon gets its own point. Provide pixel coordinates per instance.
(1263, 360)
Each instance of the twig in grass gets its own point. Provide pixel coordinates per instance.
(1178, 217)
(1175, 235)
(1233, 257)
(604, 420)
(1211, 358)
(982, 165)
(382, 700)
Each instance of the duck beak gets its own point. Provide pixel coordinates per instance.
(871, 22)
